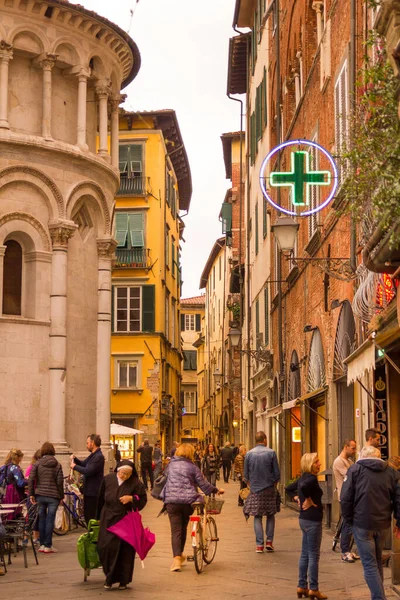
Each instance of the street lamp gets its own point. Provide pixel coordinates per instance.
(235, 423)
(285, 231)
(234, 336)
(217, 376)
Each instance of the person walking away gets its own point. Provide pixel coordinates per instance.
(238, 469)
(157, 457)
(261, 472)
(210, 465)
(179, 493)
(15, 480)
(307, 492)
(370, 492)
(226, 455)
(47, 473)
(92, 469)
(120, 493)
(372, 437)
(235, 452)
(175, 445)
(198, 456)
(341, 465)
(146, 462)
(36, 535)
(117, 454)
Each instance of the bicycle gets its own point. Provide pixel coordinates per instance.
(336, 536)
(72, 505)
(204, 531)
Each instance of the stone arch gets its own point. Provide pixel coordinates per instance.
(115, 82)
(77, 54)
(34, 235)
(92, 189)
(345, 340)
(37, 33)
(99, 70)
(316, 377)
(41, 181)
(2, 33)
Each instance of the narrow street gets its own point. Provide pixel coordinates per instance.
(237, 572)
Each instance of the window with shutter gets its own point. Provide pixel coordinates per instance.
(341, 117)
(183, 322)
(198, 323)
(127, 308)
(264, 117)
(148, 308)
(258, 115)
(136, 223)
(256, 229)
(226, 215)
(121, 229)
(252, 138)
(189, 322)
(257, 317)
(266, 315)
(173, 256)
(189, 402)
(131, 160)
(265, 221)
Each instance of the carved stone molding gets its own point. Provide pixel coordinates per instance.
(6, 51)
(99, 194)
(106, 248)
(48, 62)
(103, 91)
(117, 100)
(61, 232)
(21, 216)
(42, 177)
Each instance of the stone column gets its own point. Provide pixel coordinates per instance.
(318, 6)
(81, 117)
(105, 249)
(103, 92)
(47, 64)
(115, 102)
(2, 253)
(60, 233)
(6, 55)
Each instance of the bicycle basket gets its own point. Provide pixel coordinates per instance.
(214, 505)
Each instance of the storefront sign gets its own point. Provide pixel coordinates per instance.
(301, 178)
(381, 422)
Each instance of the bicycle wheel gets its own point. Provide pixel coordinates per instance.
(336, 537)
(79, 517)
(64, 524)
(210, 541)
(198, 548)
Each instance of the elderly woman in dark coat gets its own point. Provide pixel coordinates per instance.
(179, 493)
(120, 493)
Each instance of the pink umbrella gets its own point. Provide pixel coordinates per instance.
(131, 530)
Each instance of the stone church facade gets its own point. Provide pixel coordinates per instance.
(61, 71)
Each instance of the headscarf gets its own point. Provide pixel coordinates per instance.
(127, 463)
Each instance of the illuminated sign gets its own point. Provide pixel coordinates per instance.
(385, 291)
(300, 179)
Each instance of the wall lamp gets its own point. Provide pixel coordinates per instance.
(261, 354)
(217, 376)
(336, 303)
(308, 328)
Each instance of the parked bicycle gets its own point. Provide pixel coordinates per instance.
(204, 531)
(336, 536)
(72, 515)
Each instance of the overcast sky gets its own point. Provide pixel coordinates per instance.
(184, 50)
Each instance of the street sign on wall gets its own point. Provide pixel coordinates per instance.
(291, 190)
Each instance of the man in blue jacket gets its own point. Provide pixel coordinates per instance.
(370, 493)
(261, 471)
(92, 469)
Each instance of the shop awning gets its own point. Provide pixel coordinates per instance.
(360, 362)
(273, 412)
(291, 404)
(116, 429)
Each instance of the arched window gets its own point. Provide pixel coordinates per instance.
(12, 278)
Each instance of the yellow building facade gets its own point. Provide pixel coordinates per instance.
(146, 354)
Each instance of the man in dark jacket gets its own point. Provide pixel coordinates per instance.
(92, 469)
(146, 462)
(226, 455)
(370, 493)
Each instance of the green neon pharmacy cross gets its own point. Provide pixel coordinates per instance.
(300, 175)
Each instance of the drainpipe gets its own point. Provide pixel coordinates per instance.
(353, 92)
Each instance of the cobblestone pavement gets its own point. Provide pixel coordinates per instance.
(237, 571)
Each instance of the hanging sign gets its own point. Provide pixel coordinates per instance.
(298, 195)
(381, 416)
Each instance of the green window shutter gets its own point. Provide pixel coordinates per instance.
(121, 228)
(257, 317)
(186, 361)
(198, 323)
(256, 228)
(264, 209)
(148, 307)
(182, 322)
(226, 214)
(136, 159)
(136, 222)
(258, 114)
(173, 257)
(266, 314)
(112, 307)
(123, 159)
(252, 138)
(264, 99)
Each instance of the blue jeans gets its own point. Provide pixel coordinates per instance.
(47, 514)
(269, 529)
(369, 545)
(310, 552)
(345, 537)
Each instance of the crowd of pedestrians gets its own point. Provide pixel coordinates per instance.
(368, 491)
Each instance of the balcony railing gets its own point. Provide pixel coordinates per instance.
(131, 185)
(133, 258)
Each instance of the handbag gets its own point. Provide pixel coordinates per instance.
(244, 492)
(159, 485)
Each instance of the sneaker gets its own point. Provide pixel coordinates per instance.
(355, 555)
(347, 558)
(36, 542)
(259, 549)
(269, 547)
(41, 548)
(51, 550)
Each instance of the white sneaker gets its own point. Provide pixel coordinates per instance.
(51, 550)
(41, 548)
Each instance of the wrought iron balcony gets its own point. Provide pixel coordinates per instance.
(131, 185)
(133, 258)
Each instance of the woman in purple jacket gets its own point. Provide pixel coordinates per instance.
(179, 493)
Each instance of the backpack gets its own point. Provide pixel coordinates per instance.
(3, 480)
(159, 485)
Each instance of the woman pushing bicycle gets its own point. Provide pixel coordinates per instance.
(179, 493)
